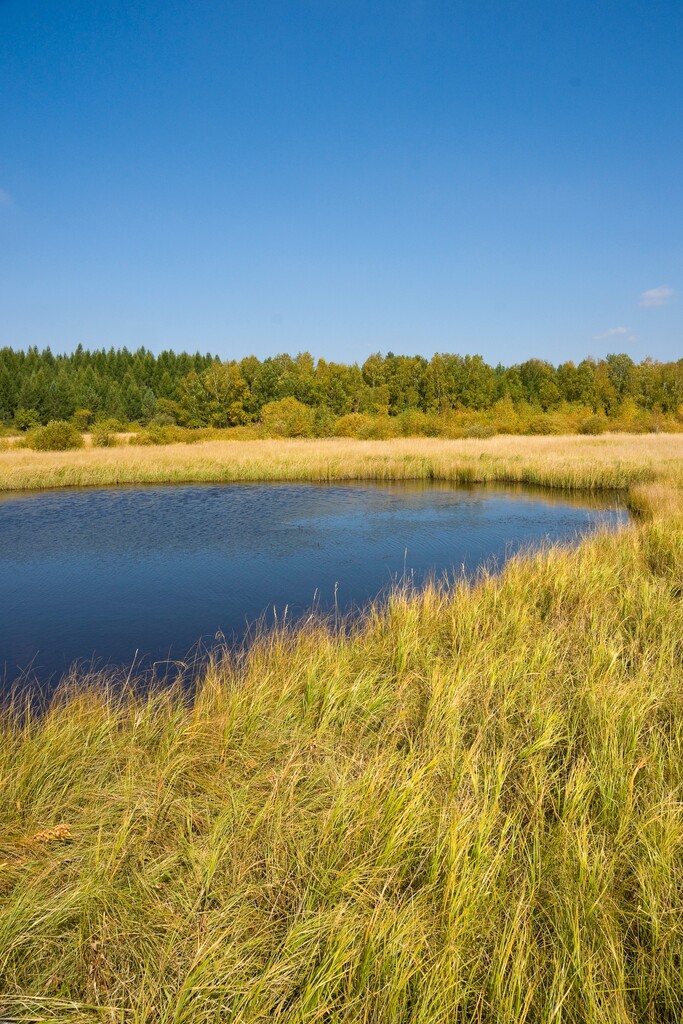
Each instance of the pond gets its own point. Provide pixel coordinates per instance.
(110, 575)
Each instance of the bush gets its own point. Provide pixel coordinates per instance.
(168, 409)
(593, 425)
(103, 437)
(379, 428)
(544, 424)
(480, 430)
(26, 419)
(351, 425)
(287, 418)
(505, 417)
(57, 436)
(156, 434)
(82, 419)
(113, 425)
(414, 423)
(163, 419)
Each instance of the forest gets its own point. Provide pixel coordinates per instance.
(202, 390)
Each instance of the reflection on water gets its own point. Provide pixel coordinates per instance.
(103, 574)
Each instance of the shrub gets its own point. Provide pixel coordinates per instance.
(26, 419)
(103, 437)
(480, 430)
(379, 428)
(640, 424)
(155, 434)
(287, 418)
(451, 425)
(505, 417)
(82, 419)
(57, 436)
(351, 425)
(543, 424)
(163, 419)
(593, 425)
(414, 423)
(112, 424)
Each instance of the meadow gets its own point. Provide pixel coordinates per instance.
(570, 462)
(465, 807)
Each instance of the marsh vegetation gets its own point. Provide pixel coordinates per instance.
(465, 807)
(568, 463)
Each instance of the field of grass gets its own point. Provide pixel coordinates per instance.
(467, 808)
(609, 461)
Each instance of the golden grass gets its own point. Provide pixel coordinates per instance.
(611, 461)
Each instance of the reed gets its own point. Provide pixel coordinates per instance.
(465, 807)
(612, 461)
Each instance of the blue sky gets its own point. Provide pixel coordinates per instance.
(343, 176)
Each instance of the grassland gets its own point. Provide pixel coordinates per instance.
(572, 462)
(466, 808)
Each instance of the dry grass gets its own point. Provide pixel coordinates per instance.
(614, 461)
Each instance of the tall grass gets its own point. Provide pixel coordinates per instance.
(465, 808)
(615, 461)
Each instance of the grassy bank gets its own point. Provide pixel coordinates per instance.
(614, 461)
(467, 809)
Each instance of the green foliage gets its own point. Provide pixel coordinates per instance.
(199, 391)
(56, 436)
(82, 418)
(163, 419)
(324, 422)
(216, 398)
(26, 419)
(169, 410)
(114, 425)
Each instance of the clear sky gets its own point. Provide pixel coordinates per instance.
(343, 176)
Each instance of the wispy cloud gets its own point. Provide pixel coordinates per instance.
(5, 198)
(657, 296)
(613, 332)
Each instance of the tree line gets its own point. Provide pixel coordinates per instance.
(37, 386)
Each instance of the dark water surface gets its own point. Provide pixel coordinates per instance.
(103, 574)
